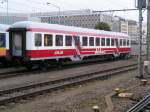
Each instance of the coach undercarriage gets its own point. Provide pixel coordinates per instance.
(46, 63)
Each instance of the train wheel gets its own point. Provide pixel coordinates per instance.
(43, 65)
(59, 64)
(5, 64)
(28, 65)
(127, 56)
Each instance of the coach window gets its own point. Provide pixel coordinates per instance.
(124, 42)
(128, 42)
(103, 42)
(48, 40)
(116, 42)
(2, 39)
(121, 43)
(59, 40)
(97, 41)
(76, 40)
(38, 39)
(91, 41)
(68, 40)
(108, 42)
(112, 42)
(84, 41)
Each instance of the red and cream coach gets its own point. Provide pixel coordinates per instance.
(40, 43)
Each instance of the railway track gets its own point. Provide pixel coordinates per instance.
(10, 72)
(142, 106)
(15, 94)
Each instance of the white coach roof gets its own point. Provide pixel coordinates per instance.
(29, 24)
(4, 27)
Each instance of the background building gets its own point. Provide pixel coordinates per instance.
(88, 19)
(133, 30)
(12, 18)
(80, 18)
(15, 17)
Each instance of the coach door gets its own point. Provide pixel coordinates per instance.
(77, 46)
(17, 43)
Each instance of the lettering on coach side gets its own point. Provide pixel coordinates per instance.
(59, 52)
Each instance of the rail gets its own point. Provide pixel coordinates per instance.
(140, 105)
(14, 94)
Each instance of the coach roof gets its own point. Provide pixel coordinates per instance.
(30, 25)
(4, 27)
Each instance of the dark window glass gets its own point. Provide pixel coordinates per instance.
(59, 40)
(103, 42)
(112, 42)
(107, 42)
(124, 42)
(77, 40)
(38, 39)
(117, 42)
(84, 41)
(121, 42)
(48, 40)
(97, 42)
(68, 40)
(91, 41)
(2, 40)
(128, 42)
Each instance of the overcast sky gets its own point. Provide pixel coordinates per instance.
(41, 6)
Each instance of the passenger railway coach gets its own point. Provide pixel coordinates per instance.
(40, 43)
(4, 43)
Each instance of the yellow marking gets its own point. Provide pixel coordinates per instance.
(2, 51)
(125, 95)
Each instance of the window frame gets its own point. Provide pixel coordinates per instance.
(108, 41)
(121, 42)
(86, 40)
(99, 41)
(66, 41)
(112, 42)
(128, 42)
(39, 45)
(92, 41)
(56, 43)
(124, 42)
(77, 40)
(103, 43)
(117, 42)
(52, 44)
(3, 39)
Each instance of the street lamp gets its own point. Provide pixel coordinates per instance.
(48, 3)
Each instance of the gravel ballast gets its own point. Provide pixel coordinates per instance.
(77, 99)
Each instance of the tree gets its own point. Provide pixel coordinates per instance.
(102, 26)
